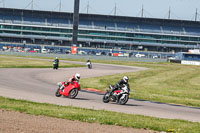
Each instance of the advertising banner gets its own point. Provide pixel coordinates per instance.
(74, 50)
(190, 62)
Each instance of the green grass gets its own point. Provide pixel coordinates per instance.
(163, 82)
(99, 116)
(13, 62)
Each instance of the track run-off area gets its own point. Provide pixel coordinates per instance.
(40, 84)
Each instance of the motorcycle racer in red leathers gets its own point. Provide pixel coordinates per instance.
(75, 77)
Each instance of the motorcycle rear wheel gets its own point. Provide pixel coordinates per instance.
(106, 97)
(73, 93)
(90, 66)
(58, 93)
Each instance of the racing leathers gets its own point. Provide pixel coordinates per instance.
(119, 85)
(71, 80)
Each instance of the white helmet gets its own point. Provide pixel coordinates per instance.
(77, 76)
(125, 78)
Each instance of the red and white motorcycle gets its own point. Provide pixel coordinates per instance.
(120, 96)
(70, 90)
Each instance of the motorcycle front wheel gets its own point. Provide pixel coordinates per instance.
(58, 93)
(123, 100)
(106, 97)
(73, 93)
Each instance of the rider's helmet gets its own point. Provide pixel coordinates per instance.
(125, 78)
(77, 76)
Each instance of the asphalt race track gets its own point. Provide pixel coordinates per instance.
(39, 85)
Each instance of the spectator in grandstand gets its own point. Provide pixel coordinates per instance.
(56, 63)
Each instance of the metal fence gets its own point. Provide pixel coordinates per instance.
(91, 57)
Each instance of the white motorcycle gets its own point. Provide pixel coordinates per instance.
(120, 96)
(89, 64)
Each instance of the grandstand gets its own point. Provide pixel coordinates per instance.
(98, 31)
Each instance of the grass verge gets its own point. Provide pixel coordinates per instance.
(164, 82)
(12, 62)
(99, 116)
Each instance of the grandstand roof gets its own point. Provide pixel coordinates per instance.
(110, 18)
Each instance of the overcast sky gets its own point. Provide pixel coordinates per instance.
(180, 9)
